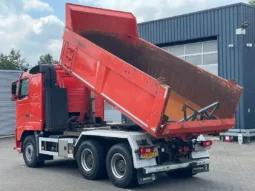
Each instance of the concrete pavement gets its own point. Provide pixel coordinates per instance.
(232, 168)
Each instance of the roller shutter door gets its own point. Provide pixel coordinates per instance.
(7, 107)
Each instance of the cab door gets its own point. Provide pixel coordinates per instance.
(22, 107)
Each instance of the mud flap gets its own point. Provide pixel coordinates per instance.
(145, 178)
(200, 168)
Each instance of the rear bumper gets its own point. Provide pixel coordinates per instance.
(168, 167)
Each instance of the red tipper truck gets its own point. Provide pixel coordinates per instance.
(171, 101)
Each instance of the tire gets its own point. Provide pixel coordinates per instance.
(181, 173)
(29, 153)
(94, 166)
(124, 175)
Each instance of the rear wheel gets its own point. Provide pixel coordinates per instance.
(29, 153)
(181, 173)
(119, 165)
(91, 160)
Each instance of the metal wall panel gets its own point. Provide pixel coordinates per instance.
(126, 120)
(7, 107)
(111, 115)
(249, 67)
(218, 23)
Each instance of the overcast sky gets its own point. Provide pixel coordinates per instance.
(35, 27)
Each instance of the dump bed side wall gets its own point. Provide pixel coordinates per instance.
(133, 92)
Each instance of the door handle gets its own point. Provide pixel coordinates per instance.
(27, 115)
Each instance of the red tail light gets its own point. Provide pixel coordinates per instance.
(146, 150)
(206, 143)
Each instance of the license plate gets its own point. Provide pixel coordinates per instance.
(201, 168)
(199, 154)
(148, 155)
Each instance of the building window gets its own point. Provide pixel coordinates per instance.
(210, 59)
(176, 50)
(210, 46)
(194, 59)
(201, 53)
(193, 49)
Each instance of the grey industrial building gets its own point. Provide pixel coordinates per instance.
(212, 39)
(7, 107)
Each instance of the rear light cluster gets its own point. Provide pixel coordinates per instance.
(146, 150)
(206, 143)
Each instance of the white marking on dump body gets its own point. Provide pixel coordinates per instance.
(98, 63)
(124, 110)
(86, 82)
(165, 92)
(90, 85)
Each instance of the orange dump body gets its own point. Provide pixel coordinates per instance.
(103, 50)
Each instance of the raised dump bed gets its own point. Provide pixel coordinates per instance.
(162, 93)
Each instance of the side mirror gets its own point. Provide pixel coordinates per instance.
(14, 97)
(13, 91)
(14, 87)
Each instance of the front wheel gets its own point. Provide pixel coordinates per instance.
(119, 166)
(29, 153)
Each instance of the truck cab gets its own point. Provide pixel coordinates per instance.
(27, 91)
(31, 102)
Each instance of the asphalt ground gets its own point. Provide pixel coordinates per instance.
(232, 168)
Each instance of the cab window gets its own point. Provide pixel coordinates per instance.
(23, 91)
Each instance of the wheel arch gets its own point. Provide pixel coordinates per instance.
(25, 134)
